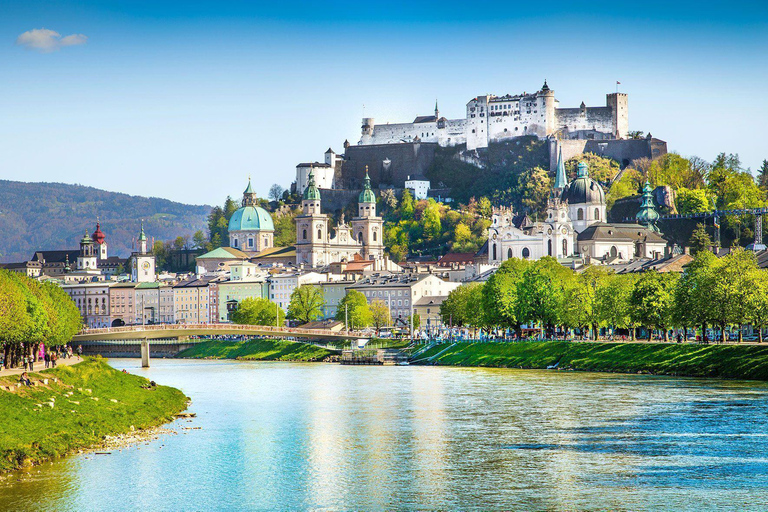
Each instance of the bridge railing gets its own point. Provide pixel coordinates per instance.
(223, 327)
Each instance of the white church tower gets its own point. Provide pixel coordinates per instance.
(142, 260)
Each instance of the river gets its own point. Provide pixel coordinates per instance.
(284, 436)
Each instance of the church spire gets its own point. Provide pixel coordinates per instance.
(367, 195)
(647, 216)
(560, 180)
(437, 111)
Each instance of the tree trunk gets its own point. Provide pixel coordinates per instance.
(633, 333)
(704, 332)
(595, 332)
(666, 335)
(722, 333)
(760, 334)
(741, 335)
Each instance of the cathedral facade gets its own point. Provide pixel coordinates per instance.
(575, 226)
(363, 236)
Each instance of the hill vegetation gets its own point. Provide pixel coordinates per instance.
(48, 216)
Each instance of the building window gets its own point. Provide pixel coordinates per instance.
(304, 234)
(494, 252)
(319, 233)
(526, 253)
(509, 253)
(580, 214)
(374, 236)
(565, 247)
(597, 213)
(549, 247)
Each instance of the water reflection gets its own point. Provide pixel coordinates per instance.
(314, 436)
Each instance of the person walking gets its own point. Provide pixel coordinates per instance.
(54, 356)
(79, 351)
(47, 359)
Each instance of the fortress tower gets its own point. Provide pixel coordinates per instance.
(617, 102)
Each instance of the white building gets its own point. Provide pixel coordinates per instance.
(401, 291)
(324, 172)
(143, 261)
(251, 229)
(419, 188)
(281, 286)
(574, 226)
(492, 118)
(92, 299)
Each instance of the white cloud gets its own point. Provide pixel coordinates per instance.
(46, 41)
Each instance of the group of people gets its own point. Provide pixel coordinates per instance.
(49, 355)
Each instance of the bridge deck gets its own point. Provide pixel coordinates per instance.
(166, 331)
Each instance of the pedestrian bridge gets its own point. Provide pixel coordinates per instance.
(182, 332)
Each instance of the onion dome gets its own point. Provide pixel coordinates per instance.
(367, 195)
(311, 193)
(86, 240)
(583, 189)
(97, 236)
(647, 216)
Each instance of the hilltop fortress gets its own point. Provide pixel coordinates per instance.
(496, 118)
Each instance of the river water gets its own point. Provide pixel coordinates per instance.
(283, 436)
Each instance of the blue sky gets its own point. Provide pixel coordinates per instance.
(185, 100)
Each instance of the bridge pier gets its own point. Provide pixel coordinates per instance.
(145, 353)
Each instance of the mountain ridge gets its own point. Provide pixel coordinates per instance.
(36, 216)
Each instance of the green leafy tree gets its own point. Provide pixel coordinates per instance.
(542, 292)
(355, 308)
(762, 176)
(431, 220)
(652, 300)
(614, 302)
(463, 306)
(693, 200)
(674, 170)
(600, 168)
(700, 240)
(501, 300)
(533, 188)
(199, 240)
(306, 303)
(628, 185)
(484, 207)
(406, 206)
(379, 314)
(258, 311)
(581, 301)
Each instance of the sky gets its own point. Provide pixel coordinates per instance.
(186, 100)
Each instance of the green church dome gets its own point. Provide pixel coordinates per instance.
(251, 218)
(583, 189)
(311, 193)
(367, 195)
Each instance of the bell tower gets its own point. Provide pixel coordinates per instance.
(367, 228)
(311, 228)
(142, 260)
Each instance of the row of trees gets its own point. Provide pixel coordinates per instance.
(308, 303)
(32, 313)
(711, 292)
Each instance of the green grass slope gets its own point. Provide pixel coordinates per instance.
(83, 412)
(257, 350)
(724, 361)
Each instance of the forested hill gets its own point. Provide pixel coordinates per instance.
(48, 216)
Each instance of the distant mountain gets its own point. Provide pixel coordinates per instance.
(47, 216)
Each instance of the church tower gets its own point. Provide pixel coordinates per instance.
(142, 260)
(367, 228)
(311, 228)
(87, 259)
(100, 242)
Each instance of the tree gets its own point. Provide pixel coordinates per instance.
(762, 176)
(389, 199)
(541, 292)
(306, 303)
(628, 185)
(355, 309)
(534, 187)
(674, 170)
(462, 236)
(431, 220)
(484, 208)
(276, 192)
(406, 205)
(614, 302)
(758, 307)
(729, 289)
(600, 168)
(379, 314)
(652, 301)
(198, 240)
(258, 311)
(700, 240)
(693, 200)
(502, 305)
(580, 306)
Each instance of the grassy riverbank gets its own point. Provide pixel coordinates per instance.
(724, 361)
(90, 400)
(258, 350)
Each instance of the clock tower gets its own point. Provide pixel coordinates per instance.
(142, 261)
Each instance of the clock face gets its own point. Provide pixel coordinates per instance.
(145, 265)
(565, 231)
